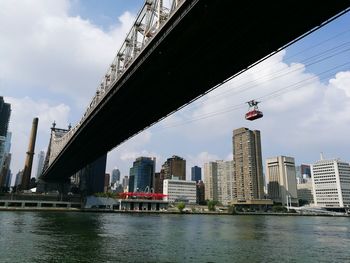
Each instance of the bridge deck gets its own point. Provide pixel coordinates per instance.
(211, 42)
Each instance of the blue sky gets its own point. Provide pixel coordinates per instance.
(54, 54)
(104, 13)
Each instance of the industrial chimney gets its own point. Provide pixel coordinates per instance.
(29, 159)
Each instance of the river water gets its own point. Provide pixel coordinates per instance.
(98, 237)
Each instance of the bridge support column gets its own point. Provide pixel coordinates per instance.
(62, 186)
(92, 177)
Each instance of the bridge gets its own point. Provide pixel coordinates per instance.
(172, 55)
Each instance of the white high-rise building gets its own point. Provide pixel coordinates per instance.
(281, 176)
(331, 183)
(226, 184)
(179, 191)
(125, 183)
(211, 181)
(219, 181)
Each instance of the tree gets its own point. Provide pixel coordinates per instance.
(303, 202)
(181, 206)
(211, 205)
(105, 195)
(279, 209)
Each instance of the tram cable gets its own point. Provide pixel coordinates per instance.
(277, 93)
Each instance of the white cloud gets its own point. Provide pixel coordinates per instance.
(124, 155)
(132, 155)
(42, 47)
(308, 116)
(23, 111)
(57, 59)
(342, 82)
(124, 25)
(48, 54)
(229, 157)
(199, 160)
(300, 122)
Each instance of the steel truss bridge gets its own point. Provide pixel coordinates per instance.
(173, 54)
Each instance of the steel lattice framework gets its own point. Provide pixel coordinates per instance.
(152, 17)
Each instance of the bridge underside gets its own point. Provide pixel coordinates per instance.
(212, 42)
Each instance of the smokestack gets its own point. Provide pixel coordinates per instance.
(29, 159)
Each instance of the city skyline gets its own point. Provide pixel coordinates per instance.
(65, 78)
(171, 132)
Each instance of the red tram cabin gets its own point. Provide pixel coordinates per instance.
(253, 112)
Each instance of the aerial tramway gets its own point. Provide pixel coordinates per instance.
(253, 112)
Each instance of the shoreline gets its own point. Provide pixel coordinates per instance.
(89, 210)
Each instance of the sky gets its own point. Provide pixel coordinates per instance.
(53, 55)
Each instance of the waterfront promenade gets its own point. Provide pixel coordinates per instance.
(74, 203)
(76, 207)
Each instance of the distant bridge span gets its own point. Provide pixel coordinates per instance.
(171, 56)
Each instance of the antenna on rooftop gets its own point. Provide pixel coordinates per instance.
(321, 156)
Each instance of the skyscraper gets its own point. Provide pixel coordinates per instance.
(174, 166)
(40, 166)
(200, 192)
(18, 179)
(8, 142)
(5, 162)
(331, 183)
(219, 181)
(180, 191)
(131, 183)
(115, 176)
(142, 175)
(248, 173)
(106, 182)
(225, 171)
(125, 182)
(281, 176)
(5, 112)
(211, 181)
(5, 172)
(196, 173)
(303, 173)
(158, 183)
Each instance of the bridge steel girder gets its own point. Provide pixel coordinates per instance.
(201, 45)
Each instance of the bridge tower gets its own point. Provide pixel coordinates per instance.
(89, 179)
(61, 185)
